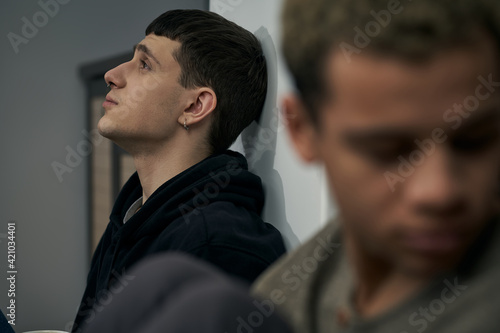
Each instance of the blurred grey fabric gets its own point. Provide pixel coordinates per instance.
(178, 293)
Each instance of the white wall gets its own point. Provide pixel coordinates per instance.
(297, 199)
(42, 111)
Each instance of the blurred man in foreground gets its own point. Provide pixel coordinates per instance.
(401, 103)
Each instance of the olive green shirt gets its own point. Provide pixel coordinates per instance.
(312, 287)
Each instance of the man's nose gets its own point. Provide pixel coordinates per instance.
(116, 76)
(436, 186)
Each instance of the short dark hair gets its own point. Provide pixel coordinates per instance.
(313, 29)
(219, 54)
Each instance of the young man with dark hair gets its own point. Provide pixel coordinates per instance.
(194, 83)
(401, 103)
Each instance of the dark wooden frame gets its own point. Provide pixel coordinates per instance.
(92, 75)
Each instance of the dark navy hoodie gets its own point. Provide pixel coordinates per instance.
(211, 211)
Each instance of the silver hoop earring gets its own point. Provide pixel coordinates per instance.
(186, 127)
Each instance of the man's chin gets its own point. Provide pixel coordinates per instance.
(106, 130)
(103, 133)
(111, 135)
(122, 141)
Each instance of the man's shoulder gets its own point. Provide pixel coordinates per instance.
(226, 235)
(224, 224)
(292, 280)
(232, 226)
(304, 284)
(318, 248)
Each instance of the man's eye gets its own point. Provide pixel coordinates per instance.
(144, 65)
(384, 157)
(474, 144)
(388, 156)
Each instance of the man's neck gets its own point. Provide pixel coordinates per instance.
(160, 165)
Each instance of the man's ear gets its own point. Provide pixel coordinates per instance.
(300, 128)
(204, 102)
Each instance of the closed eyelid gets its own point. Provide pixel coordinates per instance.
(378, 139)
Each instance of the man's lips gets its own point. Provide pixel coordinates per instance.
(109, 102)
(433, 241)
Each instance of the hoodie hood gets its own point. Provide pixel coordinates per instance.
(221, 177)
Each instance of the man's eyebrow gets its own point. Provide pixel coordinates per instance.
(481, 118)
(383, 133)
(143, 48)
(387, 133)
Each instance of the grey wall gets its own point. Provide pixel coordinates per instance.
(43, 111)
